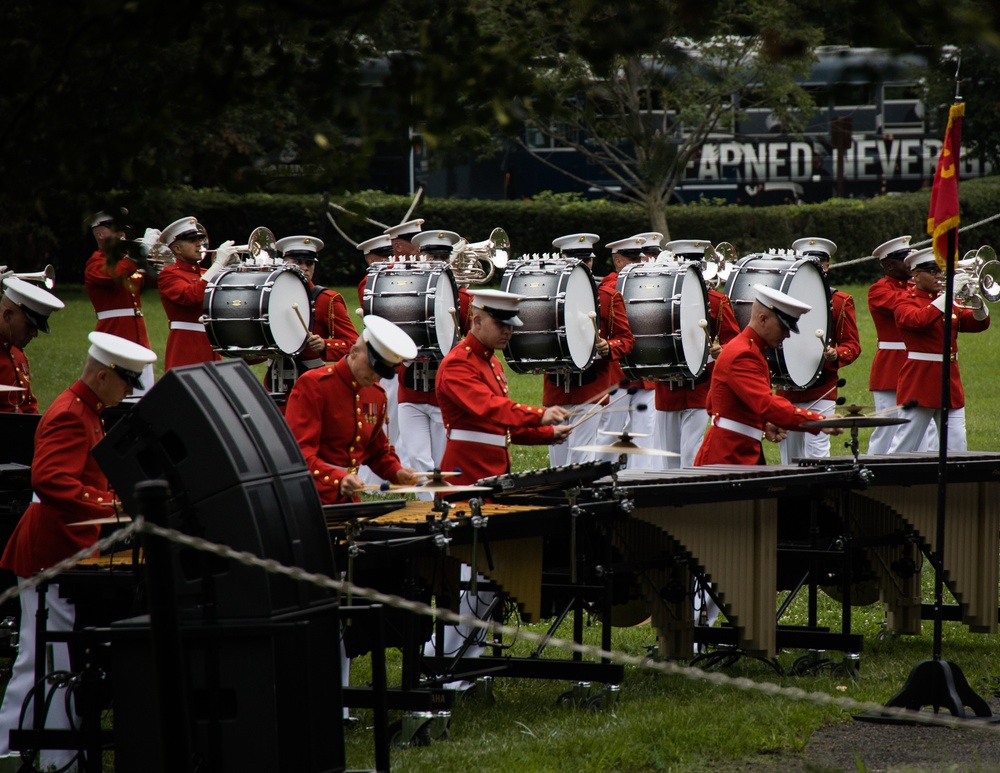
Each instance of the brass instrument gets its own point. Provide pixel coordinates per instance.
(476, 263)
(46, 277)
(719, 262)
(260, 248)
(983, 270)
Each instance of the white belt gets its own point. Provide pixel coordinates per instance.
(315, 362)
(34, 498)
(891, 345)
(112, 313)
(197, 327)
(929, 357)
(753, 433)
(471, 436)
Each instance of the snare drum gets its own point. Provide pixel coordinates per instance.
(251, 311)
(665, 304)
(421, 298)
(799, 362)
(558, 332)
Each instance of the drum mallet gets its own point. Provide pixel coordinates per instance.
(597, 329)
(598, 407)
(299, 315)
(840, 382)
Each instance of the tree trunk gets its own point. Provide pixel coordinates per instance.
(658, 217)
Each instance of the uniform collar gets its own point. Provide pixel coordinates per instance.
(477, 347)
(755, 338)
(5, 345)
(87, 396)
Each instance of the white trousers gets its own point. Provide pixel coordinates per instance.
(681, 432)
(62, 615)
(804, 445)
(911, 437)
(469, 605)
(625, 414)
(422, 438)
(391, 387)
(584, 435)
(881, 437)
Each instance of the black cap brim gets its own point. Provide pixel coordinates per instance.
(40, 321)
(130, 377)
(380, 366)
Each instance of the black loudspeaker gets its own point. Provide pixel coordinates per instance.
(263, 696)
(236, 476)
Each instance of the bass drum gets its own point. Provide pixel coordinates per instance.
(255, 311)
(665, 303)
(799, 362)
(559, 313)
(421, 298)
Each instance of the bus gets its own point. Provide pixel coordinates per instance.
(869, 136)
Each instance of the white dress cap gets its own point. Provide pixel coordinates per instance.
(576, 245)
(299, 247)
(653, 239)
(404, 230)
(102, 218)
(389, 340)
(897, 248)
(124, 357)
(380, 242)
(688, 249)
(500, 305)
(816, 246)
(918, 258)
(631, 246)
(36, 302)
(442, 240)
(787, 308)
(186, 226)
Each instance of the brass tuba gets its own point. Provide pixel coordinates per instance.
(475, 264)
(983, 271)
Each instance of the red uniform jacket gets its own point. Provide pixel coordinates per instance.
(334, 437)
(883, 296)
(741, 391)
(14, 371)
(605, 371)
(472, 392)
(116, 289)
(723, 327)
(332, 322)
(845, 340)
(67, 480)
(183, 294)
(922, 328)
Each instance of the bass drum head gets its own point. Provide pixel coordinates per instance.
(581, 302)
(803, 351)
(445, 312)
(286, 328)
(694, 338)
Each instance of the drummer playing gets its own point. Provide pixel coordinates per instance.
(182, 292)
(740, 401)
(472, 391)
(335, 442)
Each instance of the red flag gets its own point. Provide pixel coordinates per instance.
(943, 215)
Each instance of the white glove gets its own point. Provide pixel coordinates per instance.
(958, 283)
(938, 303)
(151, 236)
(225, 253)
(212, 271)
(981, 314)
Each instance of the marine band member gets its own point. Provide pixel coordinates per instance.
(24, 311)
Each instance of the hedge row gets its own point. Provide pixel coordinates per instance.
(857, 226)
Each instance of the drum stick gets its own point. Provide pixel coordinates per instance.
(299, 315)
(599, 407)
(597, 329)
(905, 406)
(703, 324)
(840, 382)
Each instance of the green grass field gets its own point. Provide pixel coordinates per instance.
(660, 722)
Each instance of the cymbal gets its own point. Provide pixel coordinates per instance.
(8, 388)
(625, 448)
(102, 521)
(850, 422)
(854, 410)
(439, 474)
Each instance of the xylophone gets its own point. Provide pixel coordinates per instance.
(899, 508)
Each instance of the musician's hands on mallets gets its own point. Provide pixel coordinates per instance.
(351, 485)
(832, 430)
(554, 414)
(316, 343)
(715, 350)
(774, 433)
(561, 433)
(603, 347)
(830, 354)
(407, 476)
